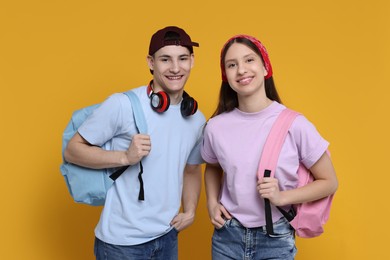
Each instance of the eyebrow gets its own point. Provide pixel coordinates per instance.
(245, 56)
(169, 56)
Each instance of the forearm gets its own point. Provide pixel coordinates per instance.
(192, 182)
(325, 184)
(310, 192)
(213, 182)
(82, 153)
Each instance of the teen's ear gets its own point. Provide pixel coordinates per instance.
(265, 72)
(150, 61)
(192, 60)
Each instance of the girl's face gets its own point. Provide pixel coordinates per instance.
(245, 70)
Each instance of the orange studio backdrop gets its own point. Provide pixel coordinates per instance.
(331, 62)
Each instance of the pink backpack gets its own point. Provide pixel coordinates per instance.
(308, 218)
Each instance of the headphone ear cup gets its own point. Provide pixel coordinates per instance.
(189, 106)
(160, 101)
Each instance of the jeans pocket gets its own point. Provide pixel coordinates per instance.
(227, 221)
(282, 228)
(175, 230)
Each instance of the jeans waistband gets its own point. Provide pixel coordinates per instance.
(234, 222)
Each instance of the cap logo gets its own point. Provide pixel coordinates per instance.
(172, 42)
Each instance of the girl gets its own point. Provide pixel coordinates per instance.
(233, 139)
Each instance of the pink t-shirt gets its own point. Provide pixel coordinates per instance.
(235, 140)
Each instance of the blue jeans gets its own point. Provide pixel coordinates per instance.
(161, 248)
(234, 241)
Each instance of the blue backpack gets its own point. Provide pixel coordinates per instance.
(89, 186)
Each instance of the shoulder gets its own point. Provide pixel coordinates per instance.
(308, 139)
(199, 116)
(302, 125)
(213, 124)
(220, 119)
(121, 100)
(114, 104)
(140, 91)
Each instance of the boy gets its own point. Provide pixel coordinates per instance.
(141, 218)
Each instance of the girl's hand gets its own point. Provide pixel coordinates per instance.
(268, 188)
(218, 215)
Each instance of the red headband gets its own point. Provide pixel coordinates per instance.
(260, 47)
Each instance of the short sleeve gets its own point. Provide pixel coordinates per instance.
(311, 145)
(207, 151)
(195, 156)
(106, 121)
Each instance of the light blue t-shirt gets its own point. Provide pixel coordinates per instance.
(175, 142)
(235, 140)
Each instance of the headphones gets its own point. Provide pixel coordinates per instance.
(160, 102)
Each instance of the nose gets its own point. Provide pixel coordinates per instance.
(241, 69)
(175, 68)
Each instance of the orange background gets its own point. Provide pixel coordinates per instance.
(331, 61)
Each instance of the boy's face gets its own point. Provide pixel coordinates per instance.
(171, 67)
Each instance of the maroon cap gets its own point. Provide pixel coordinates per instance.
(260, 47)
(170, 35)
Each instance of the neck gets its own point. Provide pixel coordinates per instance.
(253, 104)
(175, 98)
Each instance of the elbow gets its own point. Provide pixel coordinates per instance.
(67, 155)
(72, 147)
(334, 186)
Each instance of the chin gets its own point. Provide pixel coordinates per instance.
(177, 85)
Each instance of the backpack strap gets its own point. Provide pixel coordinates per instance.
(142, 127)
(270, 155)
(138, 113)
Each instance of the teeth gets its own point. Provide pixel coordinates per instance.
(246, 80)
(176, 77)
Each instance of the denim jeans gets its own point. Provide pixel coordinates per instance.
(234, 241)
(162, 248)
